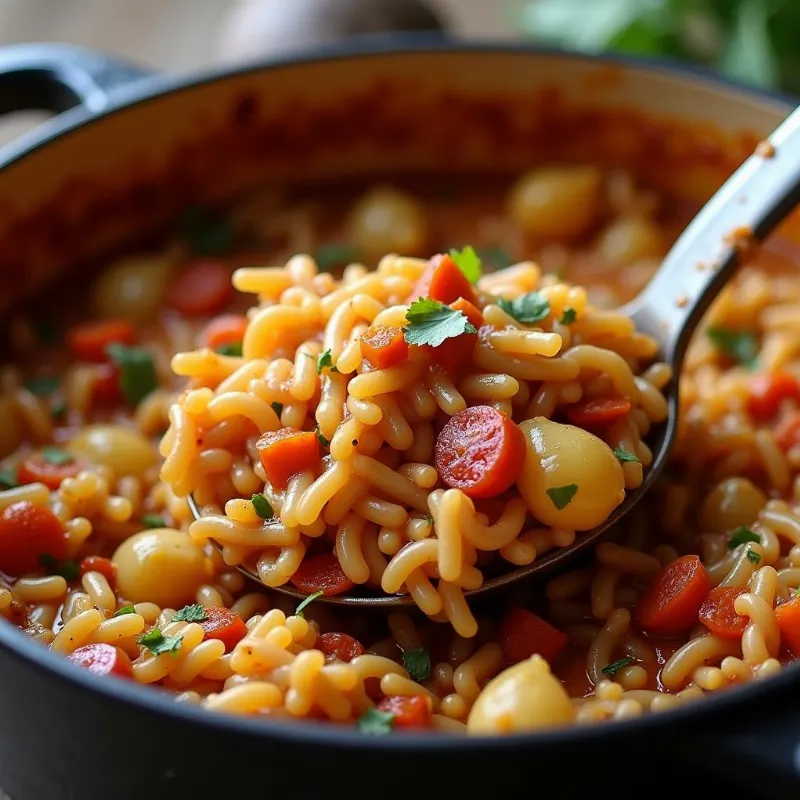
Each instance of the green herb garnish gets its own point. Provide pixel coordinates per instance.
(306, 603)
(68, 570)
(157, 643)
(429, 519)
(56, 456)
(325, 361)
(277, 408)
(569, 316)
(58, 407)
(191, 613)
(329, 256)
(741, 346)
(431, 322)
(326, 443)
(417, 663)
(624, 455)
(615, 666)
(262, 506)
(375, 723)
(742, 535)
(8, 478)
(562, 495)
(121, 612)
(229, 349)
(42, 387)
(205, 231)
(527, 309)
(496, 256)
(137, 371)
(753, 557)
(152, 520)
(468, 261)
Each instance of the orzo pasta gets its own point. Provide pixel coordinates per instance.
(368, 418)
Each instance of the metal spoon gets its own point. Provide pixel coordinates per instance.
(761, 193)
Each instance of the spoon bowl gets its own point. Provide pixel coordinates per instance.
(759, 195)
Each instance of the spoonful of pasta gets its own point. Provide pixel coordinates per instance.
(424, 433)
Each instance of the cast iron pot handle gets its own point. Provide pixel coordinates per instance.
(57, 77)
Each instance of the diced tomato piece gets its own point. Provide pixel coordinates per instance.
(523, 633)
(480, 451)
(201, 288)
(340, 645)
(27, 533)
(671, 603)
(787, 615)
(105, 566)
(383, 346)
(90, 340)
(454, 352)
(106, 389)
(37, 469)
(286, 452)
(787, 431)
(768, 392)
(103, 659)
(719, 615)
(225, 625)
(223, 330)
(598, 411)
(409, 712)
(442, 280)
(322, 573)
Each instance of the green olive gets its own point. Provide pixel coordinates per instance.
(386, 220)
(133, 287)
(556, 202)
(124, 451)
(571, 479)
(162, 566)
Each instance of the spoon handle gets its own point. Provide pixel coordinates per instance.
(759, 195)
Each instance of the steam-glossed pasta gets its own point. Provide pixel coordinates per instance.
(392, 414)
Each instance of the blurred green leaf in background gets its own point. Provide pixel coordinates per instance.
(755, 41)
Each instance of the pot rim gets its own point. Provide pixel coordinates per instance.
(15, 644)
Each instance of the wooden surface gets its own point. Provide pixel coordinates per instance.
(180, 35)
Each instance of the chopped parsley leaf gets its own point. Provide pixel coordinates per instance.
(468, 261)
(56, 456)
(329, 256)
(431, 322)
(277, 408)
(121, 612)
(562, 495)
(191, 613)
(417, 663)
(152, 520)
(322, 440)
(429, 519)
(496, 256)
(741, 346)
(624, 455)
(262, 506)
(58, 407)
(569, 316)
(325, 361)
(229, 349)
(206, 232)
(375, 723)
(742, 535)
(753, 557)
(304, 604)
(137, 371)
(527, 309)
(68, 570)
(8, 478)
(42, 387)
(615, 666)
(157, 643)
